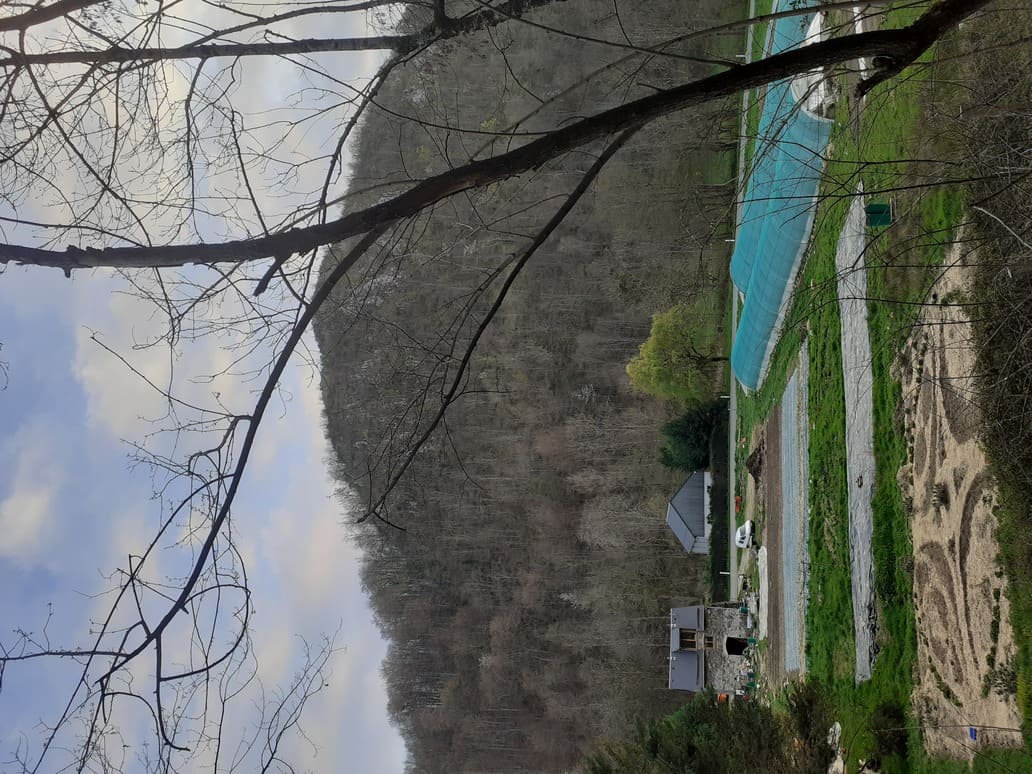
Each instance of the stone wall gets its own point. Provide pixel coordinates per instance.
(723, 672)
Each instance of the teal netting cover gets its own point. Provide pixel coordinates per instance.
(777, 213)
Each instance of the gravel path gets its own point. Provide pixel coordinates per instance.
(764, 603)
(856, 369)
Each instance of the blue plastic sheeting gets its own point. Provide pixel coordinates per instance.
(777, 214)
(759, 192)
(754, 209)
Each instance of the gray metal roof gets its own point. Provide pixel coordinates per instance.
(692, 617)
(687, 667)
(687, 670)
(686, 514)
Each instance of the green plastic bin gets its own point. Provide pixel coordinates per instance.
(879, 215)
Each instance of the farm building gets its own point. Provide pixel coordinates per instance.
(688, 512)
(707, 648)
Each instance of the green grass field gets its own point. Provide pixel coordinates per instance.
(901, 266)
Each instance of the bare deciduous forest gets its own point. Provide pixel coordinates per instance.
(526, 572)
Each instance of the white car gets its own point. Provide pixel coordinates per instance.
(744, 535)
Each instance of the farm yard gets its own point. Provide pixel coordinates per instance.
(907, 618)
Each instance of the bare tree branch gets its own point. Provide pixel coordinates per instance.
(899, 47)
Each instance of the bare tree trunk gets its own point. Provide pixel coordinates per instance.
(893, 49)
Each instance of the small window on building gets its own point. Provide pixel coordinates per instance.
(688, 641)
(708, 642)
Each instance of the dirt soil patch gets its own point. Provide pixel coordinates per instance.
(965, 644)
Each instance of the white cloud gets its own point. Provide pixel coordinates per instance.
(117, 399)
(306, 556)
(27, 511)
(301, 541)
(354, 688)
(310, 553)
(24, 516)
(127, 404)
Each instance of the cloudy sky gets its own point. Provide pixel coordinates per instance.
(72, 508)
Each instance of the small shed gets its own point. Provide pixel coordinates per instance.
(689, 510)
(708, 647)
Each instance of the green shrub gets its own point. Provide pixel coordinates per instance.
(688, 437)
(702, 736)
(888, 724)
(810, 716)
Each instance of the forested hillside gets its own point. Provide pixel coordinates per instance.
(521, 566)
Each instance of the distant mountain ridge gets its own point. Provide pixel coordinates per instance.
(526, 598)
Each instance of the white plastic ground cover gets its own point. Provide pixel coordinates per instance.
(856, 372)
(811, 90)
(795, 479)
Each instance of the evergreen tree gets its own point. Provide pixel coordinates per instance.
(688, 437)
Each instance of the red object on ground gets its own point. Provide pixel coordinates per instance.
(738, 503)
